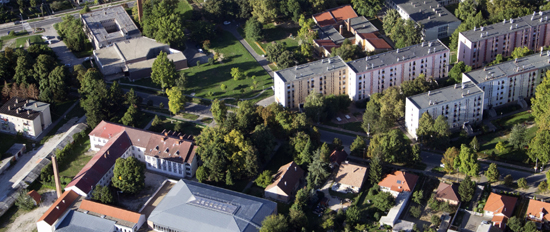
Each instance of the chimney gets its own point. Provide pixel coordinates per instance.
(341, 31)
(455, 86)
(181, 137)
(165, 133)
(162, 139)
(16, 100)
(36, 105)
(56, 177)
(429, 92)
(9, 107)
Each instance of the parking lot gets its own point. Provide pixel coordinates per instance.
(470, 222)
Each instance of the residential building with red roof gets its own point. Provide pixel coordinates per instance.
(500, 207)
(398, 182)
(334, 16)
(447, 193)
(57, 212)
(366, 35)
(125, 220)
(285, 182)
(538, 211)
(169, 153)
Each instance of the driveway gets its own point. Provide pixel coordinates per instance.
(333, 202)
(470, 222)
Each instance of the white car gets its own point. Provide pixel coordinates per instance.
(339, 119)
(348, 117)
(45, 37)
(226, 23)
(200, 50)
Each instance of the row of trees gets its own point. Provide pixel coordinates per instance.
(539, 146)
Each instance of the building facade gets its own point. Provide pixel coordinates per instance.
(480, 46)
(109, 25)
(437, 21)
(325, 76)
(376, 73)
(510, 81)
(29, 117)
(459, 104)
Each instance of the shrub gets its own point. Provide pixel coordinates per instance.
(435, 220)
(415, 211)
(24, 201)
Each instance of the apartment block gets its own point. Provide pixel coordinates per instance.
(325, 76)
(29, 117)
(375, 73)
(459, 104)
(109, 25)
(480, 46)
(510, 81)
(438, 22)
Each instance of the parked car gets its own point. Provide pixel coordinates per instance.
(339, 119)
(348, 117)
(226, 23)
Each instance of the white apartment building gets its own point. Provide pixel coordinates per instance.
(376, 73)
(459, 104)
(438, 22)
(29, 117)
(510, 81)
(480, 46)
(326, 76)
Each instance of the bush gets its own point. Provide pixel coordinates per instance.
(415, 211)
(435, 220)
(24, 201)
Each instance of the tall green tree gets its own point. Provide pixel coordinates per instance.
(103, 194)
(375, 171)
(467, 25)
(129, 175)
(94, 97)
(520, 52)
(306, 31)
(219, 111)
(253, 29)
(466, 189)
(539, 148)
(468, 161)
(474, 144)
(317, 171)
(541, 103)
(514, 223)
(383, 201)
(530, 226)
(450, 158)
(264, 10)
(442, 131)
(466, 9)
(274, 223)
(358, 147)
(390, 20)
(506, 9)
(264, 179)
(416, 86)
(456, 72)
(425, 128)
(372, 120)
(518, 136)
(492, 173)
(522, 183)
(129, 118)
(406, 33)
(163, 71)
(176, 100)
(392, 147)
(367, 8)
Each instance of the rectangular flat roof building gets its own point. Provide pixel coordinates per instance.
(27, 116)
(109, 25)
(438, 22)
(459, 104)
(481, 45)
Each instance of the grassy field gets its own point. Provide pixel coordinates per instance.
(251, 42)
(169, 123)
(352, 126)
(206, 79)
(60, 108)
(77, 160)
(34, 39)
(273, 33)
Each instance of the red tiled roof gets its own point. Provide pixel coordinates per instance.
(338, 156)
(500, 204)
(35, 196)
(379, 43)
(106, 130)
(368, 35)
(324, 19)
(535, 209)
(110, 211)
(59, 207)
(286, 177)
(342, 13)
(447, 191)
(170, 148)
(399, 181)
(100, 164)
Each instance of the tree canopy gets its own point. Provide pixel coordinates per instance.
(129, 175)
(176, 100)
(367, 8)
(253, 29)
(163, 71)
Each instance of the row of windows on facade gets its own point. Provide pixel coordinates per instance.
(164, 229)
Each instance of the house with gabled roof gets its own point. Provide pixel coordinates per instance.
(285, 182)
(538, 211)
(501, 208)
(398, 182)
(172, 154)
(350, 177)
(447, 193)
(57, 212)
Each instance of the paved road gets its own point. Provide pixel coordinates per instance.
(327, 136)
(232, 28)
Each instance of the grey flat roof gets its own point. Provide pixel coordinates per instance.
(139, 47)
(362, 25)
(192, 206)
(15, 148)
(81, 222)
(391, 57)
(444, 95)
(422, 11)
(535, 61)
(329, 33)
(94, 18)
(511, 25)
(23, 108)
(311, 69)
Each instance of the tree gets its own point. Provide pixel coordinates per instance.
(467, 25)
(415, 211)
(301, 197)
(492, 173)
(442, 131)
(201, 174)
(466, 189)
(417, 196)
(223, 87)
(415, 86)
(23, 70)
(85, 10)
(375, 171)
(391, 147)
(103, 194)
(24, 201)
(273, 51)
(264, 179)
(456, 72)
(390, 19)
(161, 22)
(285, 60)
(518, 136)
(353, 215)
(253, 29)
(466, 9)
(372, 121)
(264, 140)
(229, 178)
(520, 52)
(129, 175)
(508, 180)
(43, 66)
(236, 74)
(474, 144)
(514, 223)
(406, 33)
(367, 8)
(541, 103)
(202, 31)
(94, 97)
(297, 218)
(425, 128)
(500, 148)
(71, 31)
(274, 223)
(346, 51)
(358, 147)
(435, 220)
(530, 226)
(176, 100)
(163, 71)
(383, 201)
(337, 144)
(306, 32)
(415, 149)
(543, 187)
(325, 152)
(506, 9)
(219, 111)
(129, 118)
(392, 105)
(264, 10)
(181, 82)
(468, 161)
(522, 183)
(130, 98)
(317, 170)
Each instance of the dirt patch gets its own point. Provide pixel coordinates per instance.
(27, 221)
(135, 202)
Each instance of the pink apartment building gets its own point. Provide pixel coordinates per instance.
(480, 46)
(375, 73)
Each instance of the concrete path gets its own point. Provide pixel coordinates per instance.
(232, 28)
(60, 48)
(49, 128)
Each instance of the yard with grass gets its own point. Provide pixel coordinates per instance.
(185, 9)
(78, 159)
(20, 42)
(352, 126)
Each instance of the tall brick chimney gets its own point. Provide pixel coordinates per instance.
(56, 176)
(140, 9)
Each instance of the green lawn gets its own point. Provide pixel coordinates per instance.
(207, 78)
(207, 120)
(34, 39)
(280, 34)
(17, 34)
(251, 42)
(60, 108)
(185, 9)
(352, 126)
(144, 119)
(77, 159)
(187, 127)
